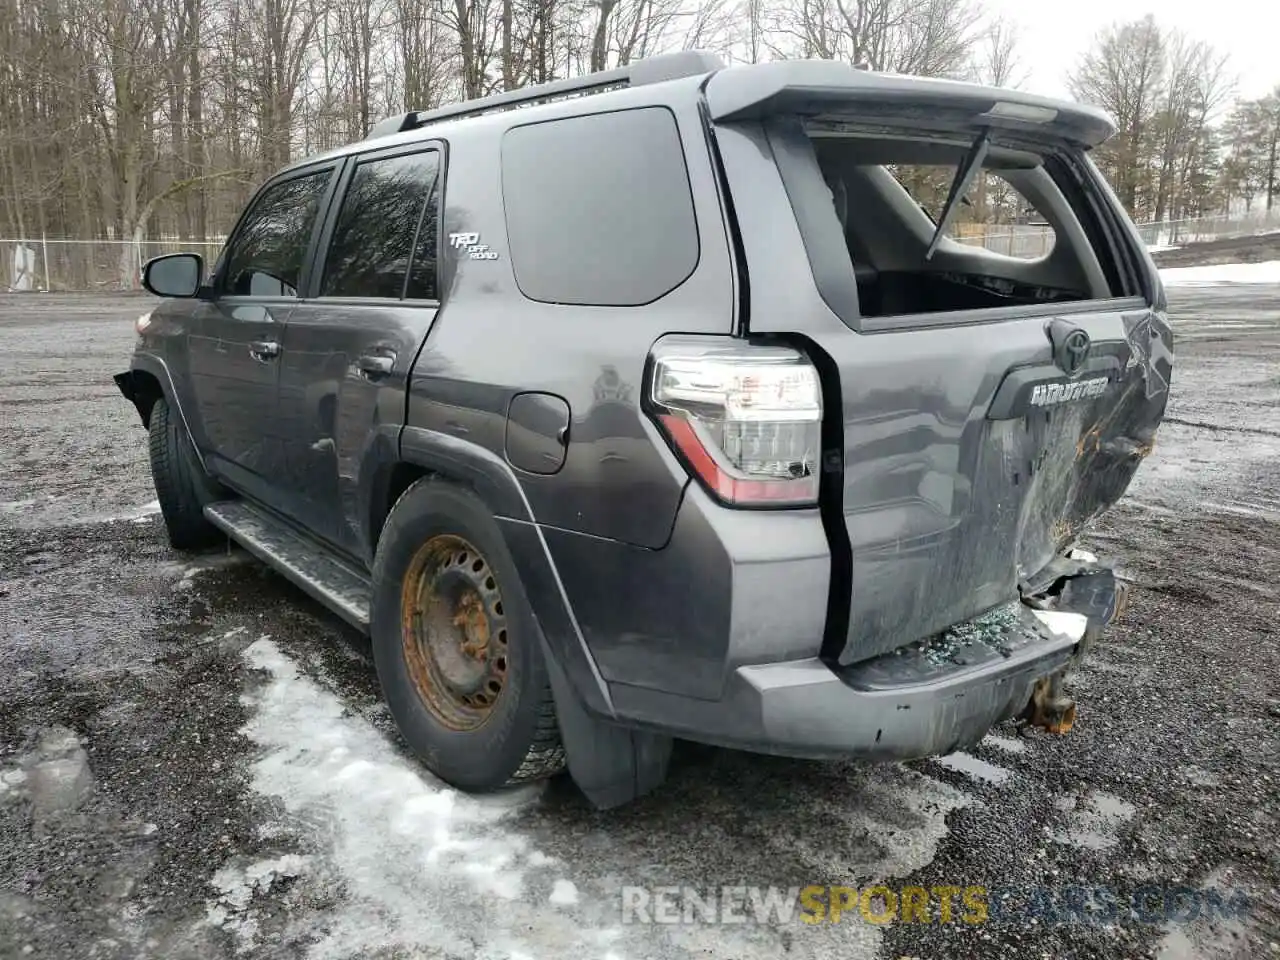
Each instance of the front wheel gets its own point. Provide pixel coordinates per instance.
(182, 486)
(456, 646)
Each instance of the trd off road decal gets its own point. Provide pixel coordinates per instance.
(470, 244)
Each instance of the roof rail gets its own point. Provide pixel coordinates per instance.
(667, 66)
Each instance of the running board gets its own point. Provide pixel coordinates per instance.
(295, 556)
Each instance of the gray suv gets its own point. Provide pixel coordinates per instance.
(678, 400)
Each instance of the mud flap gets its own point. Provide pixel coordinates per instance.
(611, 765)
(125, 382)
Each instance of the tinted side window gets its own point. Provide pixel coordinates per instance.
(599, 208)
(267, 253)
(423, 279)
(380, 216)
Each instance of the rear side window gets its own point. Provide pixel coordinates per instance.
(599, 209)
(267, 253)
(372, 251)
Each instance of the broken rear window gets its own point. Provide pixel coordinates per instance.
(1011, 237)
(992, 213)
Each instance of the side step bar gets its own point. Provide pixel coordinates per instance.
(297, 557)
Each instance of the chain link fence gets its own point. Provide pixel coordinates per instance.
(1025, 241)
(65, 266)
(86, 266)
(1178, 233)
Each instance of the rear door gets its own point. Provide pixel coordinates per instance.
(981, 407)
(236, 338)
(349, 347)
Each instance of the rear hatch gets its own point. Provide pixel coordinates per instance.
(989, 331)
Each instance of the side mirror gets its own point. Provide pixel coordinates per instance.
(174, 275)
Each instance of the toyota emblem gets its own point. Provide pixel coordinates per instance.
(1073, 352)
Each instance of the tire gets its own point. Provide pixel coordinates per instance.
(431, 607)
(182, 487)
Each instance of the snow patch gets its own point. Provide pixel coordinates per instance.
(142, 514)
(974, 768)
(1094, 824)
(421, 864)
(1209, 935)
(57, 773)
(1266, 272)
(184, 574)
(238, 885)
(1007, 744)
(406, 865)
(564, 892)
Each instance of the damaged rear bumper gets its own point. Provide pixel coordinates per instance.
(926, 699)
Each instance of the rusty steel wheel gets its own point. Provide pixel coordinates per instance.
(456, 644)
(454, 632)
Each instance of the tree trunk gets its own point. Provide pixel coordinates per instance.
(198, 203)
(600, 42)
(1271, 164)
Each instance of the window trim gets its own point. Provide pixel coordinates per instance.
(342, 185)
(335, 168)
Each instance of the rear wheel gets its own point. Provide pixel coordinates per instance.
(182, 486)
(455, 644)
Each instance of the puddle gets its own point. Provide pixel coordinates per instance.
(1095, 823)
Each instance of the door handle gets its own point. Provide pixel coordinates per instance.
(374, 366)
(264, 350)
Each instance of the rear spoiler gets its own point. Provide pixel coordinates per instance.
(827, 88)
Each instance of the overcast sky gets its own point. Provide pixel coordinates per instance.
(1056, 32)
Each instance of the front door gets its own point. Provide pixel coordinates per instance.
(348, 349)
(237, 337)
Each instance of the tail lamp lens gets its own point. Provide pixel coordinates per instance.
(746, 420)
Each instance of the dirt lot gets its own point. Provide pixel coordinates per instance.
(194, 762)
(1232, 250)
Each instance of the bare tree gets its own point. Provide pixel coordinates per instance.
(925, 37)
(1165, 91)
(133, 119)
(996, 60)
(473, 22)
(1252, 165)
(1124, 73)
(1196, 85)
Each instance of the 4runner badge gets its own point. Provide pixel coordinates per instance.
(1050, 394)
(470, 243)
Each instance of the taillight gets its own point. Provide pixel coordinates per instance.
(746, 420)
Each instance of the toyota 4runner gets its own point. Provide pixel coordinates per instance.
(677, 400)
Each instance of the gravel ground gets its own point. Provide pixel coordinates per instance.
(194, 762)
(1228, 250)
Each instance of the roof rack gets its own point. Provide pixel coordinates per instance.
(668, 66)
